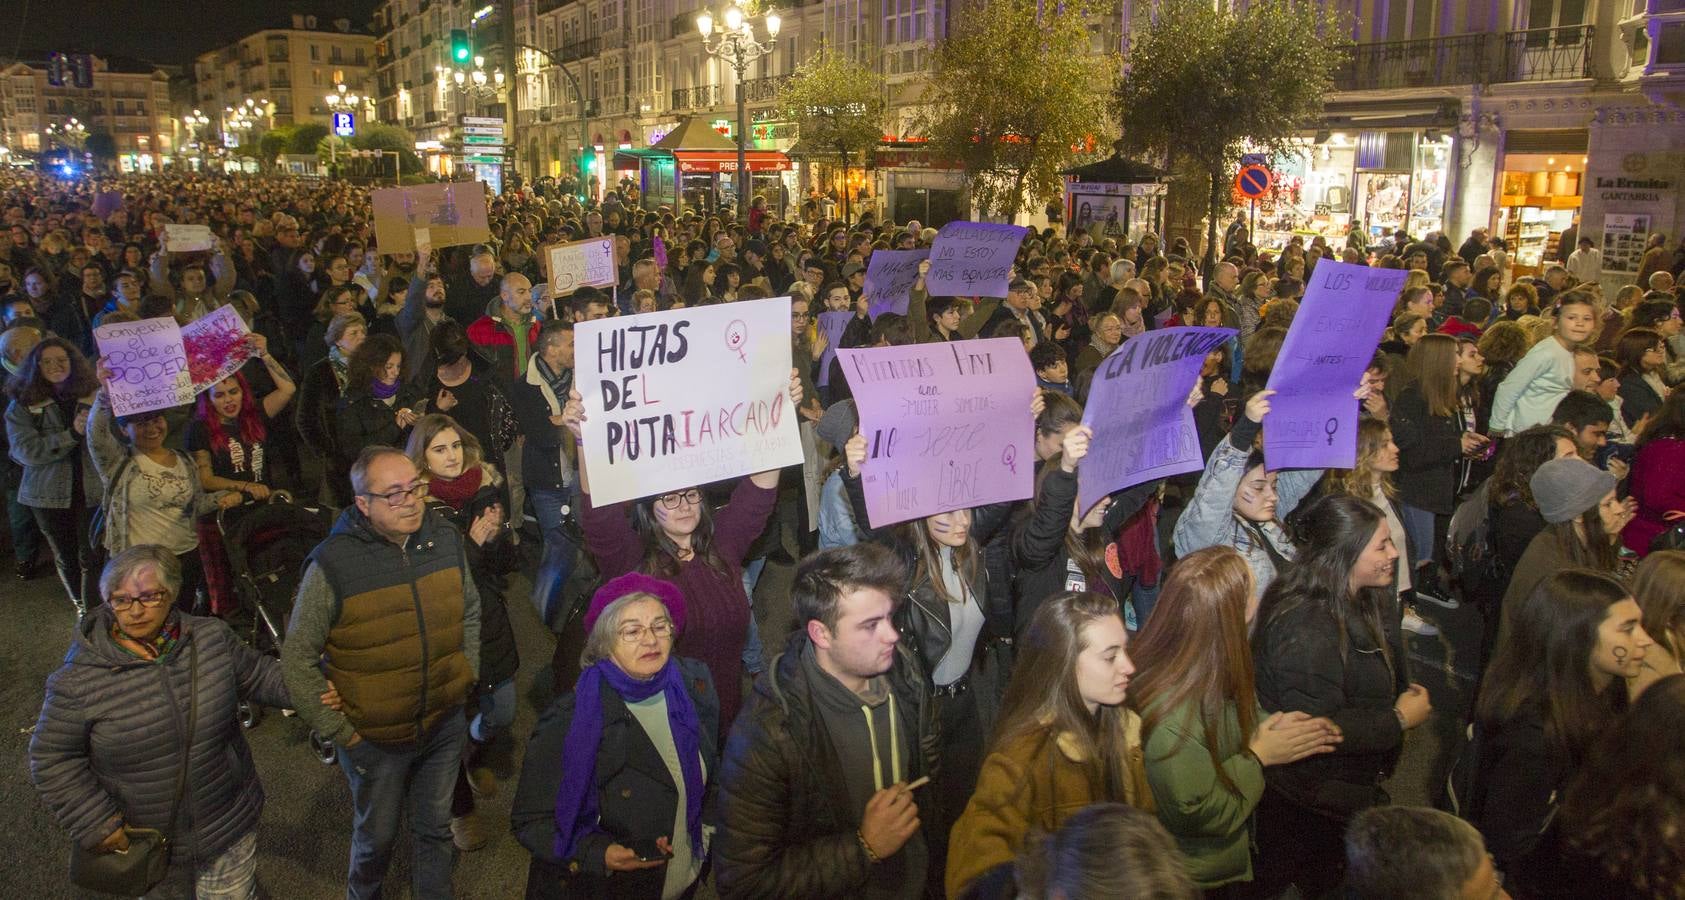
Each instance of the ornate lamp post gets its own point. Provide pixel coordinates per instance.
(732, 39)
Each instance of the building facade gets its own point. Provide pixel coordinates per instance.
(128, 100)
(288, 72)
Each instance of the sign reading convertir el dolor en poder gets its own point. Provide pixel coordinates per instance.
(685, 397)
(947, 426)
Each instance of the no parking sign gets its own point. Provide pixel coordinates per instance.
(1253, 181)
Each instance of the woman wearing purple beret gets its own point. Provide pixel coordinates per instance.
(614, 798)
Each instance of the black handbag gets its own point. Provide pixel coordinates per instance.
(133, 872)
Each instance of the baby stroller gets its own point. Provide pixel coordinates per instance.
(267, 544)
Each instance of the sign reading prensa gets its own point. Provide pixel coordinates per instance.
(580, 263)
(148, 365)
(947, 426)
(685, 397)
(973, 258)
(1312, 423)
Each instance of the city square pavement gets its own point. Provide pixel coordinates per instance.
(304, 837)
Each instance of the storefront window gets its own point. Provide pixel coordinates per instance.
(1427, 187)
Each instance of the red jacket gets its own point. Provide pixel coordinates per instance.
(1457, 327)
(497, 345)
(1658, 484)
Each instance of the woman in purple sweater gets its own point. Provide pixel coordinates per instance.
(676, 537)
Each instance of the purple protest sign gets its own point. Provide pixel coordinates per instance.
(1312, 422)
(973, 259)
(831, 325)
(890, 276)
(659, 251)
(106, 202)
(947, 426)
(1137, 406)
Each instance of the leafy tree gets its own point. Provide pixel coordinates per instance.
(1016, 88)
(333, 147)
(306, 137)
(102, 146)
(838, 105)
(1205, 82)
(274, 143)
(390, 139)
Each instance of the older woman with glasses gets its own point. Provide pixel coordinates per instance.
(144, 704)
(614, 791)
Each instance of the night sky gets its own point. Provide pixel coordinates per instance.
(160, 31)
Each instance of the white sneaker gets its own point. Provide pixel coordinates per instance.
(1417, 625)
(1443, 599)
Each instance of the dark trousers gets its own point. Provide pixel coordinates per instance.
(385, 784)
(78, 564)
(941, 804)
(1297, 846)
(192, 580)
(26, 535)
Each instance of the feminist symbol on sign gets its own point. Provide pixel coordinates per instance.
(1331, 426)
(736, 335)
(1009, 458)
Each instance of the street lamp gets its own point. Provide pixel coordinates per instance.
(735, 43)
(196, 122)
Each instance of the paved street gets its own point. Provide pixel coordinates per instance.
(304, 837)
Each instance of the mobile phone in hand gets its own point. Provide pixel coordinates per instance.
(646, 850)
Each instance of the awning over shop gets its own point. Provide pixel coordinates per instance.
(1117, 169)
(630, 158)
(701, 162)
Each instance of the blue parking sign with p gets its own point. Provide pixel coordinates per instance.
(344, 124)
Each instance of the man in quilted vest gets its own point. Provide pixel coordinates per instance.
(388, 612)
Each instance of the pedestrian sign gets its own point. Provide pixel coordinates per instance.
(1253, 181)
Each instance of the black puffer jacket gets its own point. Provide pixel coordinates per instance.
(1430, 449)
(490, 567)
(362, 421)
(784, 831)
(1297, 651)
(109, 742)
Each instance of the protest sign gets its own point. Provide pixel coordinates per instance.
(685, 397)
(215, 346)
(831, 325)
(106, 202)
(947, 426)
(1137, 406)
(188, 238)
(1312, 422)
(434, 215)
(890, 276)
(148, 365)
(589, 262)
(972, 258)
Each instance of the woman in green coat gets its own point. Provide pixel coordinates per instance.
(1206, 739)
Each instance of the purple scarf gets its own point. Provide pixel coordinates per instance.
(576, 799)
(383, 391)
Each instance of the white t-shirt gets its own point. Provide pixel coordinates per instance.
(161, 505)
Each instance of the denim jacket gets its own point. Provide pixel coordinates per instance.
(45, 445)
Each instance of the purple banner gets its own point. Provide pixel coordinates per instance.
(1313, 419)
(831, 325)
(890, 276)
(973, 259)
(1137, 406)
(947, 426)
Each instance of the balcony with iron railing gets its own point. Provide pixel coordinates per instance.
(579, 50)
(1540, 54)
(762, 90)
(699, 97)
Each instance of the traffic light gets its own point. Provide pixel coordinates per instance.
(461, 50)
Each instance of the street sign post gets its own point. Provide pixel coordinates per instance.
(1254, 181)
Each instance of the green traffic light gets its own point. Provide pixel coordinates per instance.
(460, 50)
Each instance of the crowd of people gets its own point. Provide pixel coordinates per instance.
(1199, 687)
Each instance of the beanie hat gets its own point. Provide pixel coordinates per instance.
(1563, 489)
(638, 583)
(838, 424)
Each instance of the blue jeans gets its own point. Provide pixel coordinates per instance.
(560, 552)
(497, 711)
(752, 658)
(1142, 599)
(1419, 525)
(382, 781)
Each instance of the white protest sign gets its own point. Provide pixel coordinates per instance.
(685, 397)
(188, 238)
(580, 263)
(148, 365)
(215, 346)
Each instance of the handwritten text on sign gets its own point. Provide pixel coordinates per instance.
(947, 426)
(580, 263)
(890, 276)
(685, 397)
(216, 347)
(1313, 419)
(831, 325)
(188, 238)
(148, 365)
(973, 258)
(1137, 406)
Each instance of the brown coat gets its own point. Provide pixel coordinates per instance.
(1032, 784)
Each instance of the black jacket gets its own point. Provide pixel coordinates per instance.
(1637, 398)
(490, 566)
(318, 397)
(1429, 451)
(543, 462)
(637, 799)
(786, 826)
(1518, 775)
(1039, 555)
(362, 421)
(1300, 667)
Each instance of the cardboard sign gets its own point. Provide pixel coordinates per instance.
(188, 238)
(1312, 422)
(1137, 406)
(831, 325)
(947, 426)
(890, 276)
(973, 259)
(106, 202)
(435, 215)
(148, 365)
(216, 347)
(685, 397)
(588, 262)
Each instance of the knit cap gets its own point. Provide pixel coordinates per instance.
(1565, 488)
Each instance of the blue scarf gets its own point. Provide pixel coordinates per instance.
(576, 799)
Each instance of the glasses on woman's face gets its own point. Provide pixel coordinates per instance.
(147, 600)
(399, 496)
(676, 499)
(633, 634)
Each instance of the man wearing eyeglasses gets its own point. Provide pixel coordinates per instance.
(387, 611)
